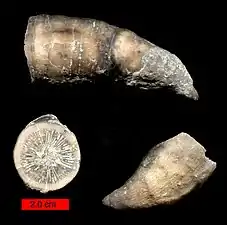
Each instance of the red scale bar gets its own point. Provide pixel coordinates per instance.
(45, 204)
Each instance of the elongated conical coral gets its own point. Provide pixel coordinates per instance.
(62, 49)
(170, 171)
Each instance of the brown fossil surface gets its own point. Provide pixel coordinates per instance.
(63, 49)
(171, 170)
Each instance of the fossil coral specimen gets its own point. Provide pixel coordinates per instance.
(63, 49)
(170, 170)
(46, 154)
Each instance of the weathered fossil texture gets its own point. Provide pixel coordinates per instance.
(46, 154)
(170, 170)
(63, 49)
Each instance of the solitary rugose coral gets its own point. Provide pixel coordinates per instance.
(170, 170)
(46, 154)
(63, 49)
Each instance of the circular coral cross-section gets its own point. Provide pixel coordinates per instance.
(47, 154)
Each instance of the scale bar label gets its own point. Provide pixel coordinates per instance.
(45, 204)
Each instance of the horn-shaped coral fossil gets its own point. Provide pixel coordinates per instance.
(63, 49)
(46, 154)
(170, 170)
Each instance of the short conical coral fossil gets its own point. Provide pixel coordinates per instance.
(169, 171)
(46, 155)
(61, 49)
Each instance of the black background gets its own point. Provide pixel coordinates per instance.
(115, 126)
